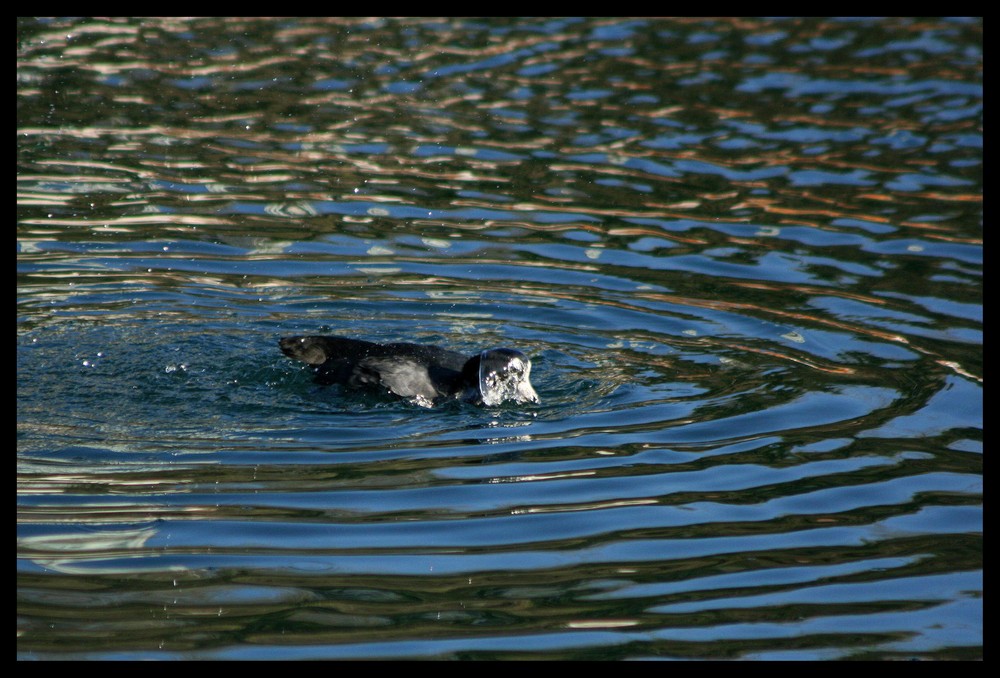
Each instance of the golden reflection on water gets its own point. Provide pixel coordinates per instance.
(745, 256)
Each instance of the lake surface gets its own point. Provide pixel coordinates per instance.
(744, 255)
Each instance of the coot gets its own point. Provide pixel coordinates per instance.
(422, 374)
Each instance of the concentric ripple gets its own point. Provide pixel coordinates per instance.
(743, 255)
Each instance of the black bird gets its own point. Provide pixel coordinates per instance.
(422, 374)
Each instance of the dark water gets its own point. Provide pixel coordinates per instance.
(744, 255)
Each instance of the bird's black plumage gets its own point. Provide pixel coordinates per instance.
(422, 374)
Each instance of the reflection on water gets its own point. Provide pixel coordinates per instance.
(744, 256)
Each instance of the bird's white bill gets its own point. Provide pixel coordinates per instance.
(509, 382)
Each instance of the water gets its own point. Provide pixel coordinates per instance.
(745, 257)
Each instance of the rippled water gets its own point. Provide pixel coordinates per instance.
(745, 257)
